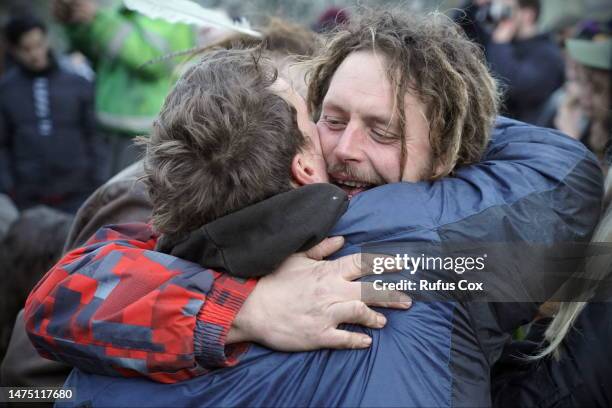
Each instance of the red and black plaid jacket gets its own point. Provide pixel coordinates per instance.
(110, 307)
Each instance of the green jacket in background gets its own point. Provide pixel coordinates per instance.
(119, 43)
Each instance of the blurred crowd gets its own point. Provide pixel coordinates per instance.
(68, 122)
(558, 79)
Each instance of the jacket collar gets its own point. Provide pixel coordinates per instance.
(254, 241)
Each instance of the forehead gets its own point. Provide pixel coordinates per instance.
(360, 85)
(31, 37)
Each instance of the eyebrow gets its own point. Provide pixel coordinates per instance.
(381, 120)
(370, 118)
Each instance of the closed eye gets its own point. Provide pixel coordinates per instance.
(334, 123)
(383, 136)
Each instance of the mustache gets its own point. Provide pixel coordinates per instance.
(353, 173)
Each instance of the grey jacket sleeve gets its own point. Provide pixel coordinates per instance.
(122, 199)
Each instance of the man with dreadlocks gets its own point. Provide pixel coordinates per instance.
(397, 98)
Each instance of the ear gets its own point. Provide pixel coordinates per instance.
(303, 170)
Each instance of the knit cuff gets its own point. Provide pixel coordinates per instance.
(215, 319)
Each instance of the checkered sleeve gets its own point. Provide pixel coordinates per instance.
(116, 307)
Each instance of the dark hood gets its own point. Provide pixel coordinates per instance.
(254, 241)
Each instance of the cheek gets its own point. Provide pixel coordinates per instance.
(321, 169)
(313, 135)
(328, 141)
(586, 99)
(418, 162)
(386, 162)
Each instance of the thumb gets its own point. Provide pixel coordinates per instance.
(325, 248)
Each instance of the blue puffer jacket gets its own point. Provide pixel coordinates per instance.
(534, 185)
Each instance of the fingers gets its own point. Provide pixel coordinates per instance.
(357, 312)
(373, 296)
(376, 264)
(343, 339)
(349, 267)
(392, 305)
(367, 264)
(325, 248)
(366, 292)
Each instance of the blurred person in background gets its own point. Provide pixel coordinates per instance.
(528, 63)
(571, 350)
(50, 153)
(564, 30)
(31, 246)
(330, 19)
(3, 54)
(6, 59)
(120, 44)
(581, 108)
(8, 214)
(585, 113)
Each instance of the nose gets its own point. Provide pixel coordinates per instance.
(350, 144)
